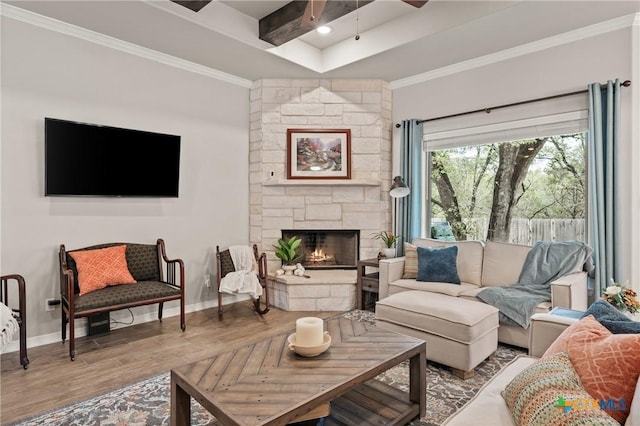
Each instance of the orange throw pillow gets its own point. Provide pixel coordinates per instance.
(608, 364)
(102, 267)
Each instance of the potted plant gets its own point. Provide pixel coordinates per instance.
(389, 240)
(286, 251)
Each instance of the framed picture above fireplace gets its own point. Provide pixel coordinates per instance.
(318, 154)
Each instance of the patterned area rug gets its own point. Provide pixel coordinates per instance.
(148, 402)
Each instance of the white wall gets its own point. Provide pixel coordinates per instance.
(47, 74)
(561, 69)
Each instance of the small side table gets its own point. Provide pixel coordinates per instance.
(367, 283)
(566, 313)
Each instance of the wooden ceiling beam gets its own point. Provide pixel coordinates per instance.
(416, 3)
(292, 20)
(194, 5)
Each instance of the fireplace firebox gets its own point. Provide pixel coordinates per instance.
(327, 248)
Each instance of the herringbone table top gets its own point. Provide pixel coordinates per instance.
(265, 383)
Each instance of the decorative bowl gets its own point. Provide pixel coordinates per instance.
(309, 351)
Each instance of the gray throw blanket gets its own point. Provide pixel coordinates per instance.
(545, 262)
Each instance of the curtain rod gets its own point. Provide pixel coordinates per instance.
(626, 83)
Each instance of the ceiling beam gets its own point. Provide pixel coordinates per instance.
(194, 5)
(293, 20)
(416, 3)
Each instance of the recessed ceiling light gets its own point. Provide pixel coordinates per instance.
(324, 29)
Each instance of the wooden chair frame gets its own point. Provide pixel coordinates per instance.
(20, 313)
(260, 304)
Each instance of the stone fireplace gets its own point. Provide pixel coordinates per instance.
(327, 248)
(360, 203)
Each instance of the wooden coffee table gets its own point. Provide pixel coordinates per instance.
(265, 383)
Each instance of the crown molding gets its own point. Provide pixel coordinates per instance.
(524, 49)
(41, 21)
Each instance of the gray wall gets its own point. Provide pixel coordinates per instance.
(48, 74)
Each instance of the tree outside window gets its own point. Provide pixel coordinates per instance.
(518, 191)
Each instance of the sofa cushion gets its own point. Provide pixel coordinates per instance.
(545, 393)
(101, 267)
(438, 264)
(142, 260)
(469, 261)
(432, 287)
(502, 263)
(487, 407)
(608, 364)
(456, 319)
(410, 261)
(634, 412)
(125, 295)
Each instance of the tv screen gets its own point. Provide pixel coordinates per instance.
(92, 160)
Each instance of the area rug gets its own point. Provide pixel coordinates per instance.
(148, 402)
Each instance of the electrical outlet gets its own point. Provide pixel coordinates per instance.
(207, 280)
(48, 307)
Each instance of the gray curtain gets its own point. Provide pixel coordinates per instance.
(602, 139)
(409, 213)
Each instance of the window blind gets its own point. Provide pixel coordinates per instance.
(537, 119)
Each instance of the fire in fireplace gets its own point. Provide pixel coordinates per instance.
(327, 248)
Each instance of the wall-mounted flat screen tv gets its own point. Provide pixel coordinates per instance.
(93, 160)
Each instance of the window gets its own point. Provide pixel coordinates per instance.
(529, 188)
(520, 191)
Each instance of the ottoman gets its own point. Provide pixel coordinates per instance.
(459, 333)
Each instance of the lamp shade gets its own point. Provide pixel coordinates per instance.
(399, 189)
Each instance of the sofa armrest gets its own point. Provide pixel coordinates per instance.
(544, 330)
(570, 292)
(390, 271)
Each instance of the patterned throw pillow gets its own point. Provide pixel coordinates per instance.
(608, 364)
(548, 392)
(102, 267)
(438, 265)
(410, 261)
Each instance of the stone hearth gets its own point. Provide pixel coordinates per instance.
(326, 290)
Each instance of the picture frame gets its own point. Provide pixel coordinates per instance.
(318, 153)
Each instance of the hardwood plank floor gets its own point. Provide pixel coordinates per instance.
(126, 355)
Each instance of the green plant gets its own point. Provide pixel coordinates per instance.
(286, 250)
(387, 238)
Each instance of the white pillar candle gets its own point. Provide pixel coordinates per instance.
(309, 331)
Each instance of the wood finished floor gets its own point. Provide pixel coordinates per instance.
(127, 355)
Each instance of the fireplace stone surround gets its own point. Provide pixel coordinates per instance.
(277, 203)
(362, 202)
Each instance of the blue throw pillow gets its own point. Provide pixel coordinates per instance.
(611, 318)
(438, 264)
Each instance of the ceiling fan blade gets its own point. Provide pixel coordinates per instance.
(194, 5)
(318, 8)
(416, 3)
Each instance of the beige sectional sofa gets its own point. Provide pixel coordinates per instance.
(458, 327)
(488, 407)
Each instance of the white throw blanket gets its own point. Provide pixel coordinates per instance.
(245, 278)
(8, 325)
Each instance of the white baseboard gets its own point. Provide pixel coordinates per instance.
(81, 329)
